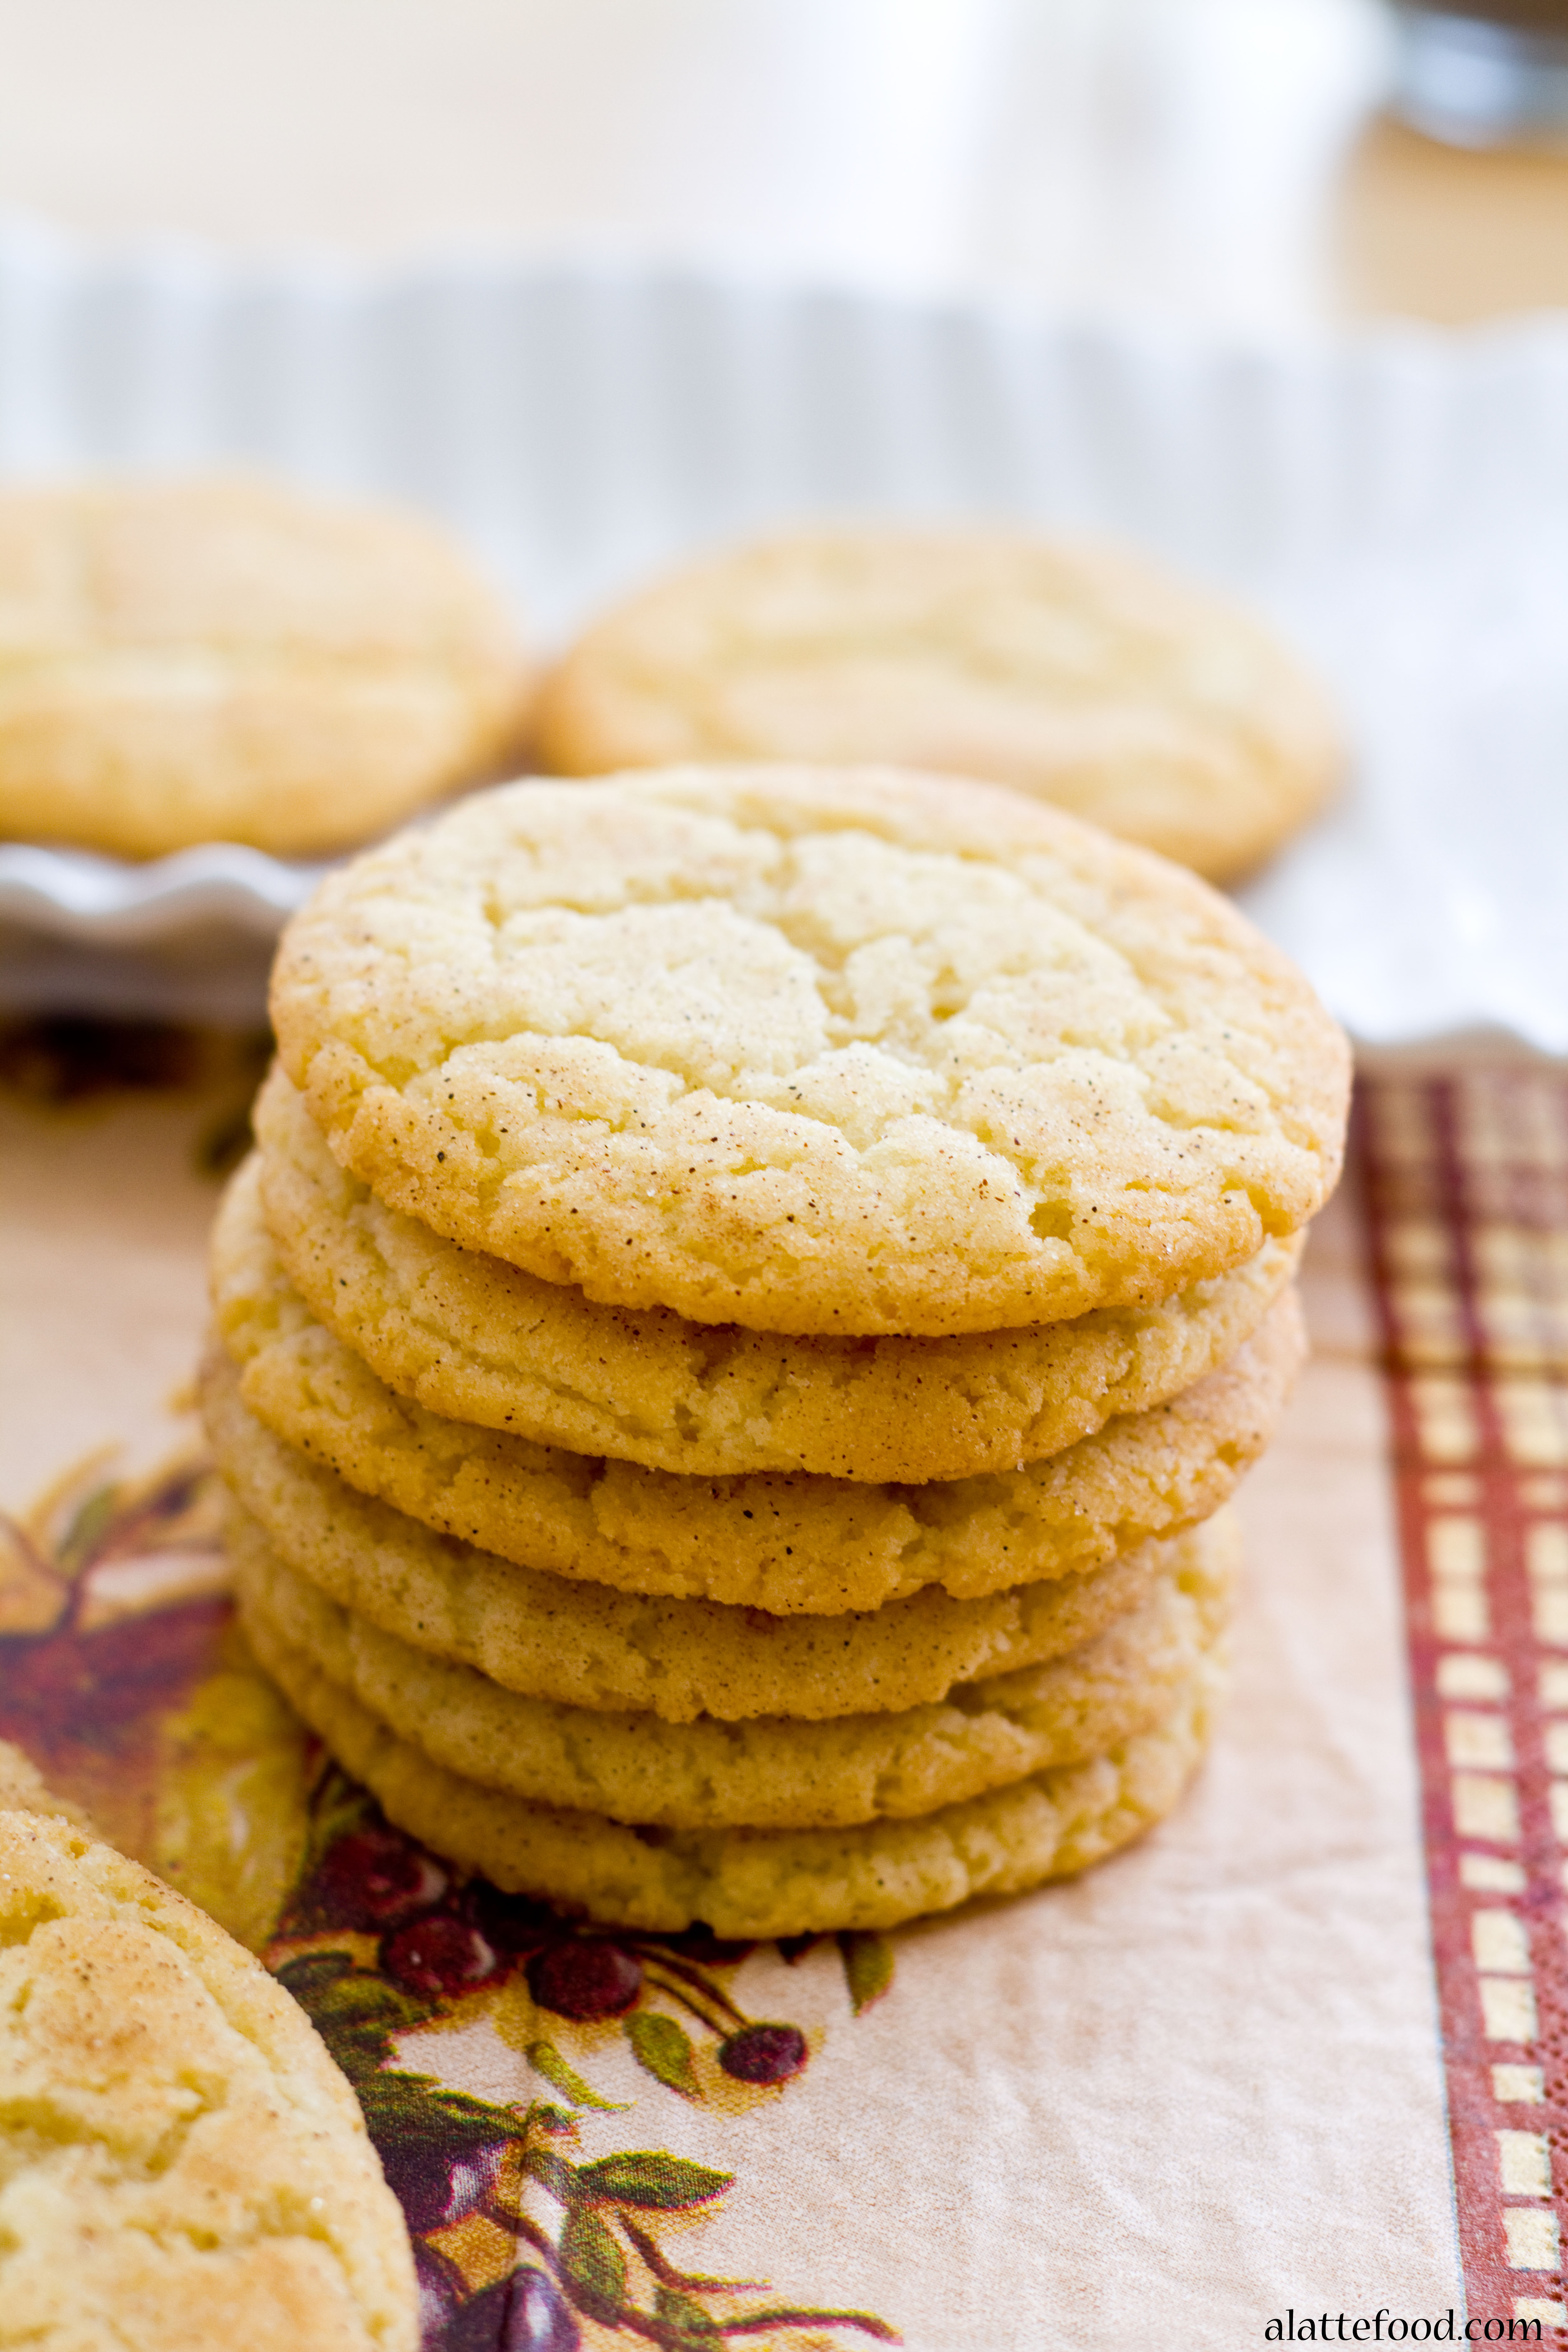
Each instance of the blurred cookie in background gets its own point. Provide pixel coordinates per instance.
(227, 659)
(1081, 675)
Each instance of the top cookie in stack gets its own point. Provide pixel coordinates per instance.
(811, 1052)
(756, 1283)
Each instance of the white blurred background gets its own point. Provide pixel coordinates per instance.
(1223, 177)
(1220, 160)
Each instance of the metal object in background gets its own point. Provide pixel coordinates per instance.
(1486, 76)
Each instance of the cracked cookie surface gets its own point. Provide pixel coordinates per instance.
(1080, 673)
(811, 1051)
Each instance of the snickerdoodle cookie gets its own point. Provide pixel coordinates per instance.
(228, 659)
(1080, 673)
(848, 1051)
(773, 1772)
(791, 1545)
(479, 1341)
(760, 1883)
(181, 2163)
(586, 1645)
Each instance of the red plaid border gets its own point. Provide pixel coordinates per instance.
(1466, 1188)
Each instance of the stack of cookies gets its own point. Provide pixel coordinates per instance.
(755, 1290)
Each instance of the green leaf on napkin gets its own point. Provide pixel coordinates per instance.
(552, 2172)
(593, 2267)
(696, 2327)
(546, 2060)
(660, 2046)
(868, 1966)
(651, 2178)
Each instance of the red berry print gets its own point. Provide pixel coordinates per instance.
(439, 1954)
(584, 1978)
(375, 1876)
(764, 2054)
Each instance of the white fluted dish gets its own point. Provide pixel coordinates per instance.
(1396, 502)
